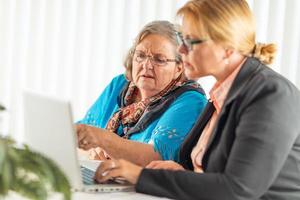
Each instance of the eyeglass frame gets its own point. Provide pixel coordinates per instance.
(151, 58)
(186, 42)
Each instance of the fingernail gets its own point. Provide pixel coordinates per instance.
(104, 173)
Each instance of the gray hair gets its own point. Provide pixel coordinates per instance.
(162, 28)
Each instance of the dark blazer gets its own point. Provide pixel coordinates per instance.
(254, 151)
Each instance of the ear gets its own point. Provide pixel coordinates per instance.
(228, 53)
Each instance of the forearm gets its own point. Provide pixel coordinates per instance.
(185, 185)
(136, 152)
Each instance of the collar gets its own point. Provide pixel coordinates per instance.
(220, 90)
(250, 67)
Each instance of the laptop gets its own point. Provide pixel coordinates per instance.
(49, 129)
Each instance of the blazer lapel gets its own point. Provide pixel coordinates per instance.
(248, 70)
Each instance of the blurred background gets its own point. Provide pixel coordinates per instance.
(73, 48)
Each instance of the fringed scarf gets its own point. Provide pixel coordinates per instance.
(129, 115)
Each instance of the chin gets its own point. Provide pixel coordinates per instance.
(145, 87)
(194, 75)
(190, 74)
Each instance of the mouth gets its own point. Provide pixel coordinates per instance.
(147, 76)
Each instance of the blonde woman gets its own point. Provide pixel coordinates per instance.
(246, 144)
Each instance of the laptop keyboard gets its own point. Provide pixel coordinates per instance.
(87, 176)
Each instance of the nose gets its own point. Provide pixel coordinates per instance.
(147, 63)
(182, 49)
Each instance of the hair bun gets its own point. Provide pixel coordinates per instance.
(265, 52)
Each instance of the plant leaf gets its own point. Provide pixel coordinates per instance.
(29, 173)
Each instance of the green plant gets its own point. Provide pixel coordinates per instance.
(29, 173)
(2, 107)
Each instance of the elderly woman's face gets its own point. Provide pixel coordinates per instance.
(204, 58)
(149, 71)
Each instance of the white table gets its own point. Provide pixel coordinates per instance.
(95, 196)
(114, 196)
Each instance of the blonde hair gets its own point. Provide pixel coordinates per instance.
(229, 23)
(162, 28)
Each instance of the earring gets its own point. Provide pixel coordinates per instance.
(226, 61)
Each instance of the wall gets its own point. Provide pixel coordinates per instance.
(72, 48)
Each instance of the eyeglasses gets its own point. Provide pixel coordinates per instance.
(187, 43)
(155, 59)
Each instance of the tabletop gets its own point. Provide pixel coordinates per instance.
(93, 196)
(114, 196)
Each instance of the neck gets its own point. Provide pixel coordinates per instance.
(142, 95)
(235, 62)
(146, 94)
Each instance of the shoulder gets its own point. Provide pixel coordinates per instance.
(268, 91)
(116, 84)
(187, 103)
(267, 81)
(118, 80)
(112, 90)
(190, 92)
(189, 97)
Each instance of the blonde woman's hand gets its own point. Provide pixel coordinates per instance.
(98, 154)
(169, 165)
(117, 169)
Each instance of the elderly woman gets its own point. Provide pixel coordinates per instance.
(246, 144)
(148, 112)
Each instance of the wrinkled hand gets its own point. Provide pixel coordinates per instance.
(112, 169)
(98, 154)
(169, 165)
(88, 136)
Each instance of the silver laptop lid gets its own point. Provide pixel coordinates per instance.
(49, 129)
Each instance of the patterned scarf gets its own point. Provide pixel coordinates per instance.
(129, 115)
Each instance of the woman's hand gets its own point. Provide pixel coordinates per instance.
(123, 169)
(98, 154)
(169, 165)
(88, 136)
